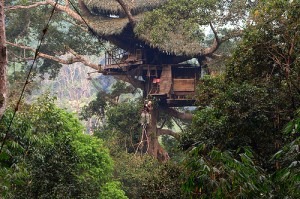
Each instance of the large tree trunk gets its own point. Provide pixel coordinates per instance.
(154, 148)
(3, 61)
(151, 144)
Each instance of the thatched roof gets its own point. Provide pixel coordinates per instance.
(177, 44)
(112, 7)
(107, 26)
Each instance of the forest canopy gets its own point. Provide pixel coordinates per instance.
(240, 140)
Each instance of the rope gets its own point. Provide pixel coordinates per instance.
(147, 141)
(27, 77)
(144, 133)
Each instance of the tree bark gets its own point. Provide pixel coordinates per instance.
(126, 9)
(3, 61)
(210, 51)
(154, 148)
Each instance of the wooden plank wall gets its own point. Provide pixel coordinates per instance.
(183, 85)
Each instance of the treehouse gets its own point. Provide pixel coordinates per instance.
(170, 84)
(158, 67)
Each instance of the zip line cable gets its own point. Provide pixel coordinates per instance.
(28, 76)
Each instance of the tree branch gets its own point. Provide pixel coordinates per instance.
(26, 7)
(127, 12)
(67, 3)
(183, 116)
(65, 8)
(208, 52)
(71, 60)
(168, 132)
(177, 123)
(80, 58)
(215, 45)
(84, 10)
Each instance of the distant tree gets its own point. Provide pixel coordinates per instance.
(118, 121)
(71, 86)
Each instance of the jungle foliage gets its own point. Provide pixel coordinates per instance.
(243, 141)
(46, 155)
(245, 132)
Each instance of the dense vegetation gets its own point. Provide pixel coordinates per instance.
(246, 127)
(243, 141)
(46, 155)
